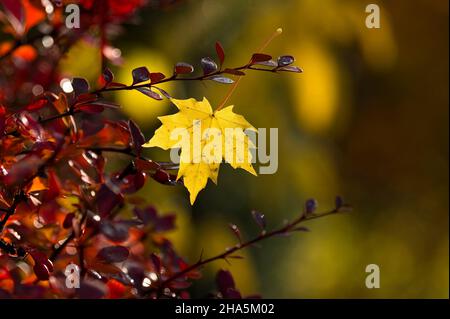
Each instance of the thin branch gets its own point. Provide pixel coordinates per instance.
(129, 152)
(288, 228)
(175, 78)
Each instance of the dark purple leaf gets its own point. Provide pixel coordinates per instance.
(114, 230)
(140, 74)
(80, 86)
(222, 79)
(208, 65)
(310, 206)
(224, 281)
(165, 223)
(163, 92)
(339, 202)
(260, 219)
(113, 254)
(341, 206)
(108, 76)
(147, 214)
(107, 200)
(285, 60)
(137, 137)
(150, 93)
(183, 68)
(92, 125)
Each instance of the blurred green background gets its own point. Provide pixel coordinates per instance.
(368, 119)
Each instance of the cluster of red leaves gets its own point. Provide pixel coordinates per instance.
(59, 205)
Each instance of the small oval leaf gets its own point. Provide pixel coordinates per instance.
(107, 75)
(113, 254)
(260, 57)
(222, 79)
(80, 86)
(285, 60)
(208, 65)
(150, 93)
(156, 77)
(140, 74)
(183, 68)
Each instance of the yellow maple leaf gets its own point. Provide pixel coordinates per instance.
(205, 138)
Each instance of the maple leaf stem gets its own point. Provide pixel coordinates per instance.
(236, 84)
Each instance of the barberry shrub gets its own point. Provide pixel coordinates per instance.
(59, 204)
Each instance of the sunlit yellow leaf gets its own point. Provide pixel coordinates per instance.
(207, 138)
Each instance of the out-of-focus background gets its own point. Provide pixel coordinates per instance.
(368, 119)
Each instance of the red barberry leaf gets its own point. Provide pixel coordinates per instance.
(183, 68)
(260, 57)
(156, 77)
(220, 52)
(222, 79)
